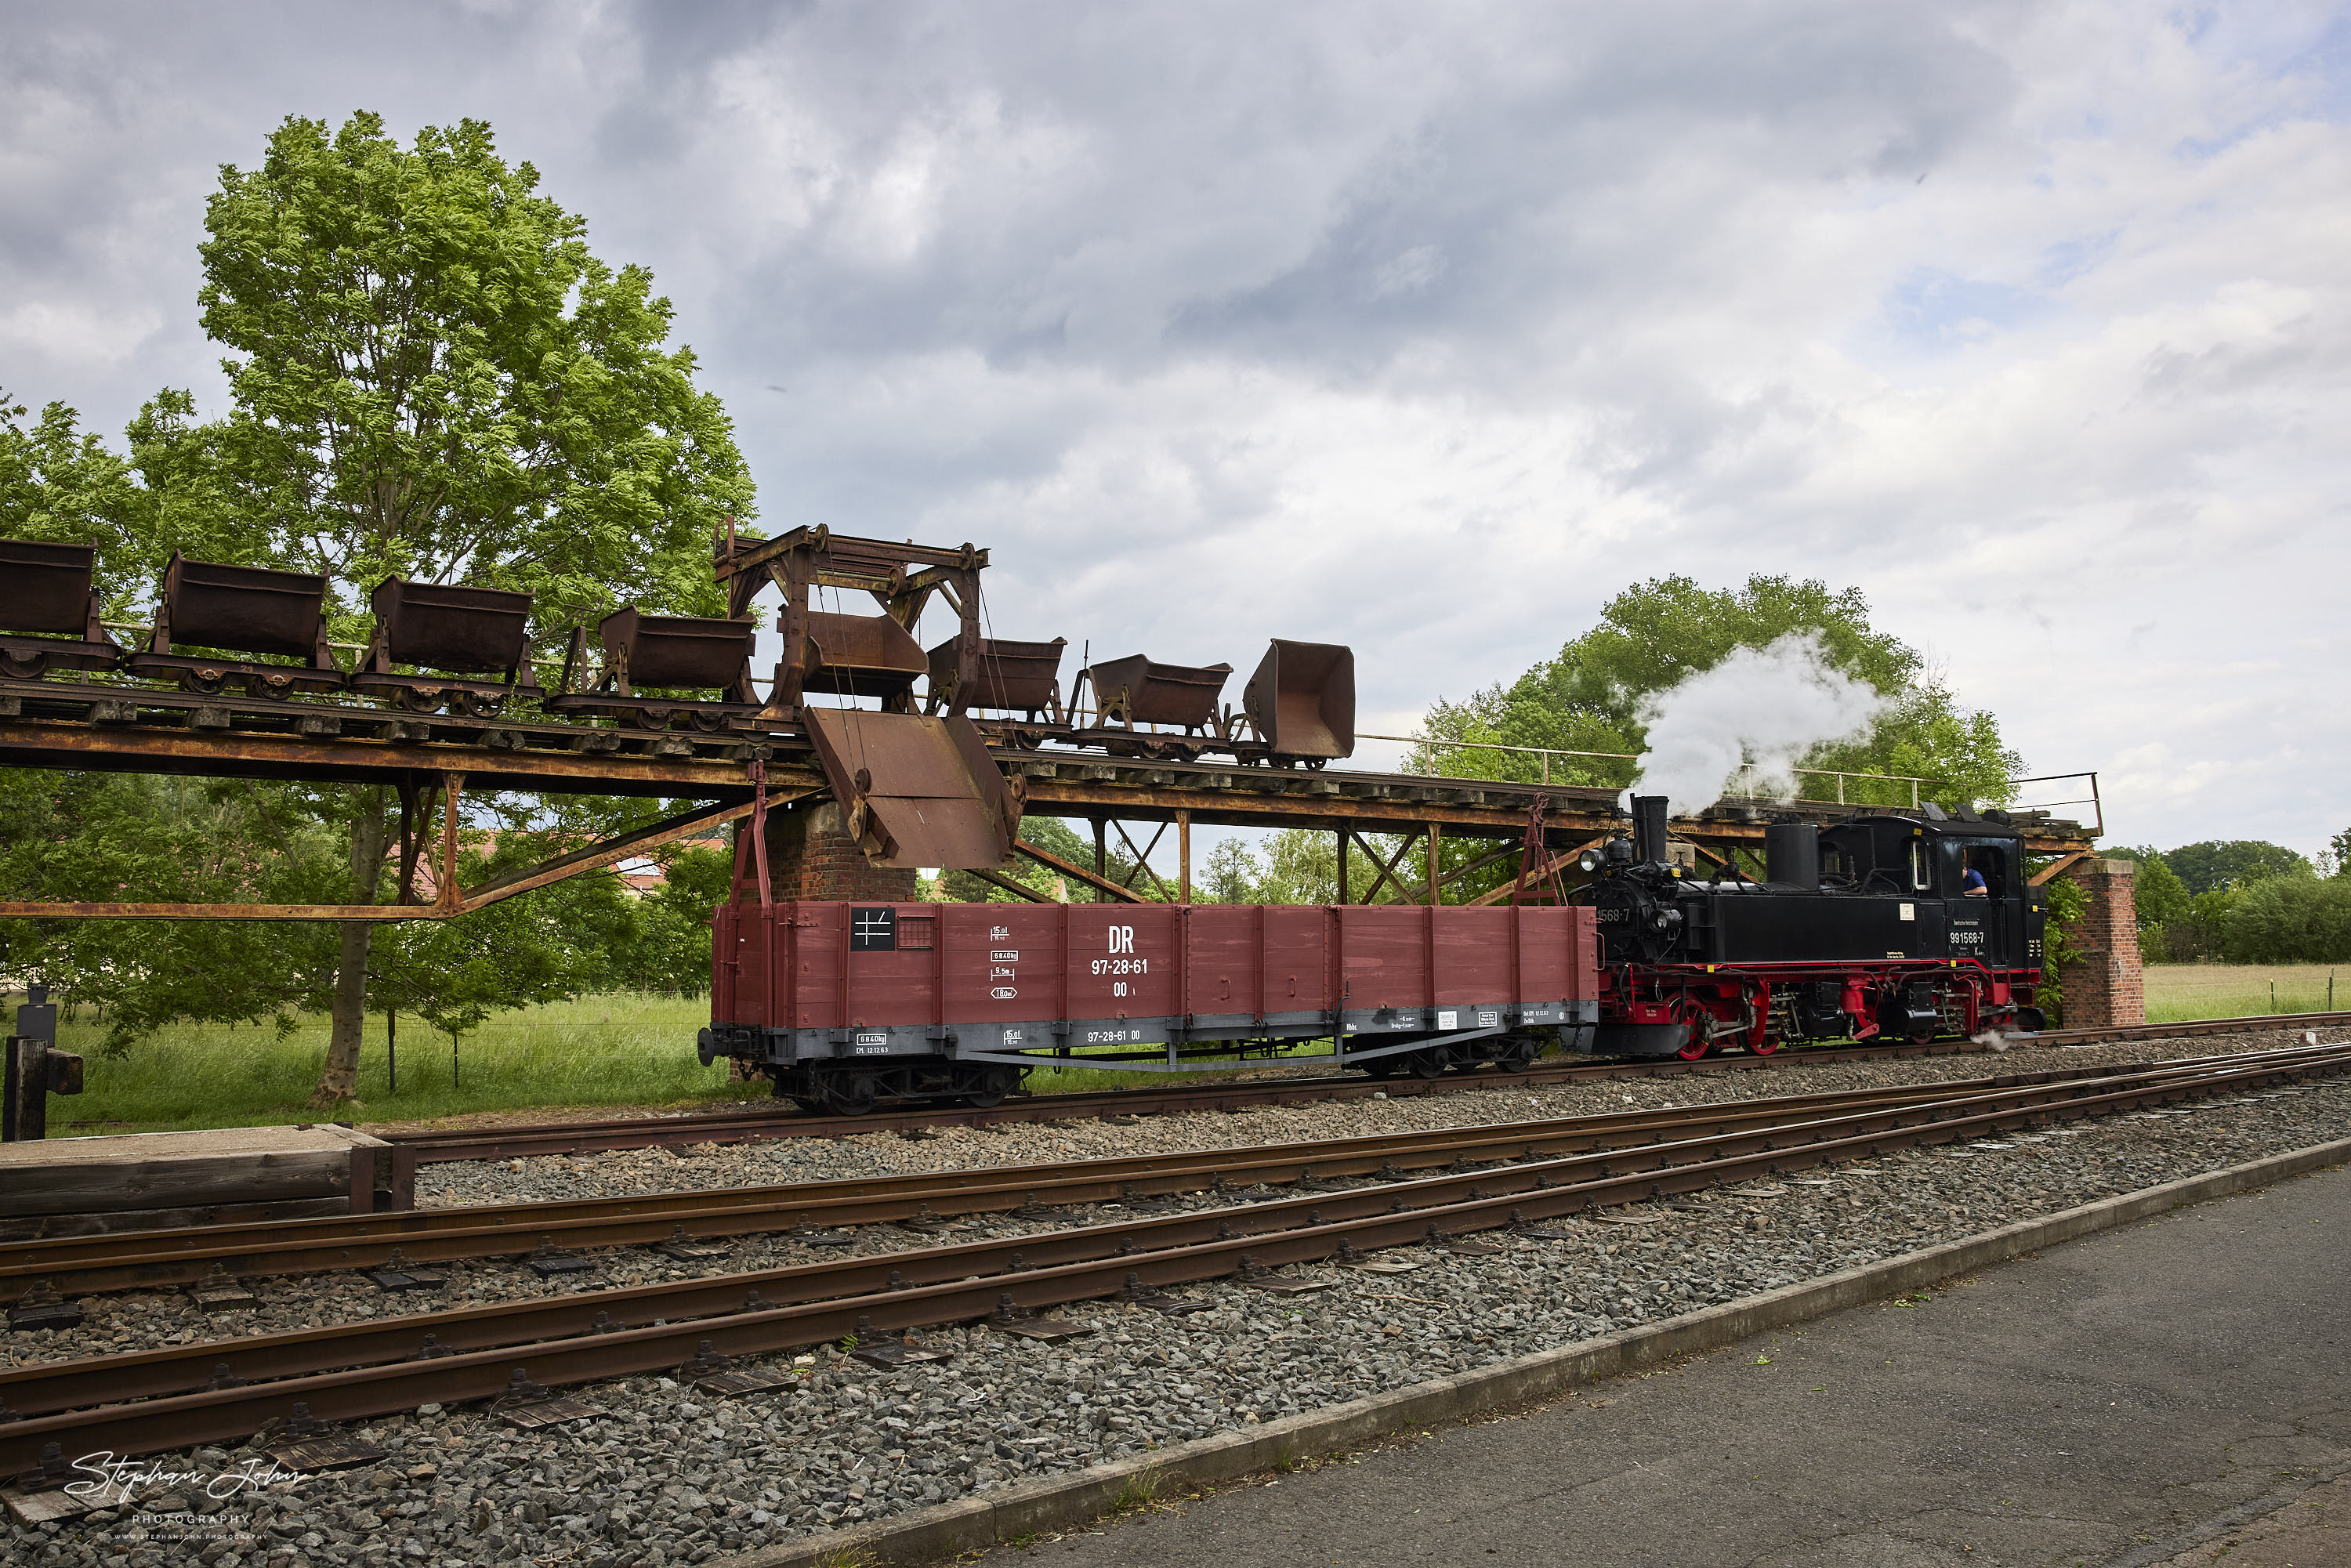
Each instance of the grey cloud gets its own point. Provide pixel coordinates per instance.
(1427, 328)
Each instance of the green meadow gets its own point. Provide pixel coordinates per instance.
(628, 1050)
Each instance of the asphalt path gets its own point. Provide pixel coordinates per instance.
(2174, 1393)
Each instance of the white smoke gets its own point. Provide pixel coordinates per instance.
(1766, 706)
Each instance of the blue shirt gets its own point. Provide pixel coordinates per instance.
(1972, 882)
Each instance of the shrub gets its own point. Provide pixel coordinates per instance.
(2288, 920)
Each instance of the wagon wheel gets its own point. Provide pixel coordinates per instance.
(1429, 1063)
(418, 699)
(31, 667)
(851, 1093)
(991, 1088)
(1696, 1018)
(1519, 1055)
(708, 723)
(204, 682)
(649, 717)
(480, 705)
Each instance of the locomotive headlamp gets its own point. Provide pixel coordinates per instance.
(1589, 860)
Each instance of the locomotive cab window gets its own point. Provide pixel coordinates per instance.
(1975, 870)
(1919, 881)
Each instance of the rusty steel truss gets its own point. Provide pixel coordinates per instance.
(445, 700)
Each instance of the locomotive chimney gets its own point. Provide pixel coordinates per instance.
(1649, 829)
(1792, 854)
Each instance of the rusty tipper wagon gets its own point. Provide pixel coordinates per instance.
(842, 1003)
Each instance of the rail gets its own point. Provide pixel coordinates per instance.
(520, 1350)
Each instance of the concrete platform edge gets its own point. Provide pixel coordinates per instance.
(1060, 1502)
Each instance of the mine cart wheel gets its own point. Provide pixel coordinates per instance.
(204, 682)
(478, 705)
(851, 1093)
(708, 723)
(991, 1087)
(32, 667)
(416, 701)
(649, 717)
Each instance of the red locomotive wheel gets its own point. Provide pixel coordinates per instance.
(1766, 1045)
(1699, 1042)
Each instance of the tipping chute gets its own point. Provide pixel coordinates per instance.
(916, 790)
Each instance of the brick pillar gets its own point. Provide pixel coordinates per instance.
(2104, 987)
(811, 856)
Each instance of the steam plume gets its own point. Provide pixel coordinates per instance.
(1772, 705)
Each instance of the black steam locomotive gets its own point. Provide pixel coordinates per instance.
(1895, 927)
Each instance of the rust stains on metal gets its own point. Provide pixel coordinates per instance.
(918, 790)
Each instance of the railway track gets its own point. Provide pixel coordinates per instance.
(170, 1397)
(411, 1150)
(161, 1258)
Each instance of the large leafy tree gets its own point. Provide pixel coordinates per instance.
(1591, 696)
(431, 375)
(2234, 862)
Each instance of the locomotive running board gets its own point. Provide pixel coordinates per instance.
(916, 790)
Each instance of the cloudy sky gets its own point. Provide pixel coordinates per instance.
(1421, 326)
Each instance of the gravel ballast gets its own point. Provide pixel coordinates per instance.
(671, 1474)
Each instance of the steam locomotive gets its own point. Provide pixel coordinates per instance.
(1901, 928)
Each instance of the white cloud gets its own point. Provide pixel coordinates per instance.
(1427, 329)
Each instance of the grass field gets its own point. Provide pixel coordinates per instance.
(638, 1050)
(602, 1050)
(2176, 992)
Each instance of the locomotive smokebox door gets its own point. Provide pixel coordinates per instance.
(872, 928)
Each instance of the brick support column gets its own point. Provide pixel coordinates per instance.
(2104, 987)
(810, 855)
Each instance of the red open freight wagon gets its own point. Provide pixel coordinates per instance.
(842, 1003)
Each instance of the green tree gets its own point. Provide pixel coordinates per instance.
(2340, 846)
(2233, 862)
(1589, 698)
(2160, 898)
(1055, 836)
(59, 484)
(2290, 920)
(432, 375)
(107, 837)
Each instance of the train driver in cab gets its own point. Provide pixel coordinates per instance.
(1971, 881)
